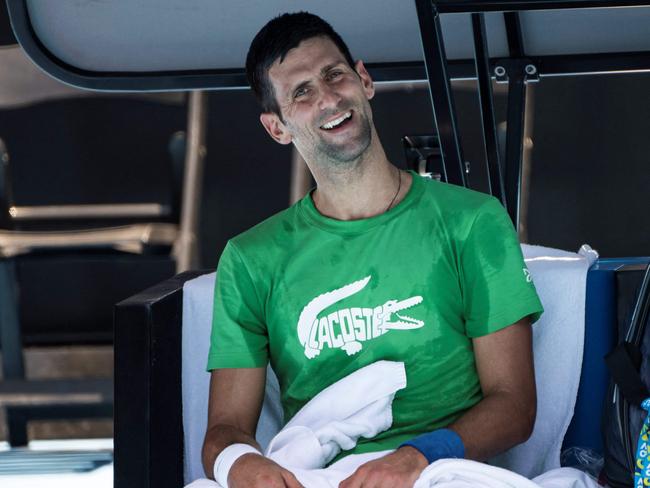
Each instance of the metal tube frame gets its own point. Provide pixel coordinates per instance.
(186, 247)
(514, 141)
(515, 117)
(517, 71)
(476, 6)
(486, 104)
(444, 112)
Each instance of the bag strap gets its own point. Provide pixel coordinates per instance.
(624, 363)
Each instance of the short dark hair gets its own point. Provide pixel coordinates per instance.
(274, 41)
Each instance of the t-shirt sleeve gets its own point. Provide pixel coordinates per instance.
(497, 286)
(239, 338)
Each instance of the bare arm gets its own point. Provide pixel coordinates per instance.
(234, 407)
(506, 415)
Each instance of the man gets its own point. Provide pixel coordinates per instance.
(376, 263)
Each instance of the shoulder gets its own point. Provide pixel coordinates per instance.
(458, 206)
(448, 194)
(270, 235)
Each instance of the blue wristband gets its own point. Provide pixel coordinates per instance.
(439, 444)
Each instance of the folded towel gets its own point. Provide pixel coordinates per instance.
(358, 405)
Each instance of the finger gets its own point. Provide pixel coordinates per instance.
(290, 480)
(353, 481)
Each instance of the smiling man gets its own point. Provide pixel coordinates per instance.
(375, 263)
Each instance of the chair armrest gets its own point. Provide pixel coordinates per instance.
(148, 428)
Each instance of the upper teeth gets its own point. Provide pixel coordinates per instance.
(336, 122)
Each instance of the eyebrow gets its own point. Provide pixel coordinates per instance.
(330, 66)
(323, 71)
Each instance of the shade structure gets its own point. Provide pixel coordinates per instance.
(202, 44)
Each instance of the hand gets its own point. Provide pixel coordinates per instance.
(399, 469)
(255, 471)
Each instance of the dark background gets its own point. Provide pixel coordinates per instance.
(589, 180)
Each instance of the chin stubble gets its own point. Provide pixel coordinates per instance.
(339, 154)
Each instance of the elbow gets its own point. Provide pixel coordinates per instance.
(209, 453)
(528, 416)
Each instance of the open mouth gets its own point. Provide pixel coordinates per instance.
(337, 123)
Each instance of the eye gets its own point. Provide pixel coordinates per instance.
(334, 74)
(301, 92)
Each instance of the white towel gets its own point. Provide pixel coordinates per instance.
(453, 473)
(558, 338)
(360, 405)
(462, 473)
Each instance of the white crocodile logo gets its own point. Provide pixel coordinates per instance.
(349, 327)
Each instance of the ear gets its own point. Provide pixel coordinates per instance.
(276, 129)
(366, 81)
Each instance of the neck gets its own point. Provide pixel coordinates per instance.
(365, 188)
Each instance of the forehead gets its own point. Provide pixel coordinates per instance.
(304, 61)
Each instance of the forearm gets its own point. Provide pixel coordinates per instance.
(498, 422)
(217, 438)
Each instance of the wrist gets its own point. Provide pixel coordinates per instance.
(439, 444)
(227, 458)
(414, 456)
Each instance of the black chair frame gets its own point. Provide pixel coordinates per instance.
(148, 436)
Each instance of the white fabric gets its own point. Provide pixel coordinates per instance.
(560, 278)
(360, 405)
(227, 458)
(558, 338)
(461, 473)
(197, 323)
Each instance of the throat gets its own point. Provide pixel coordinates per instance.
(353, 198)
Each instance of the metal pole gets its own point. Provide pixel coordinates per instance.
(527, 162)
(513, 32)
(486, 104)
(186, 247)
(514, 142)
(458, 6)
(435, 61)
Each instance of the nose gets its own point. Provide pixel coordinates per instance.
(329, 97)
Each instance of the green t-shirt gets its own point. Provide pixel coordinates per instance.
(321, 298)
